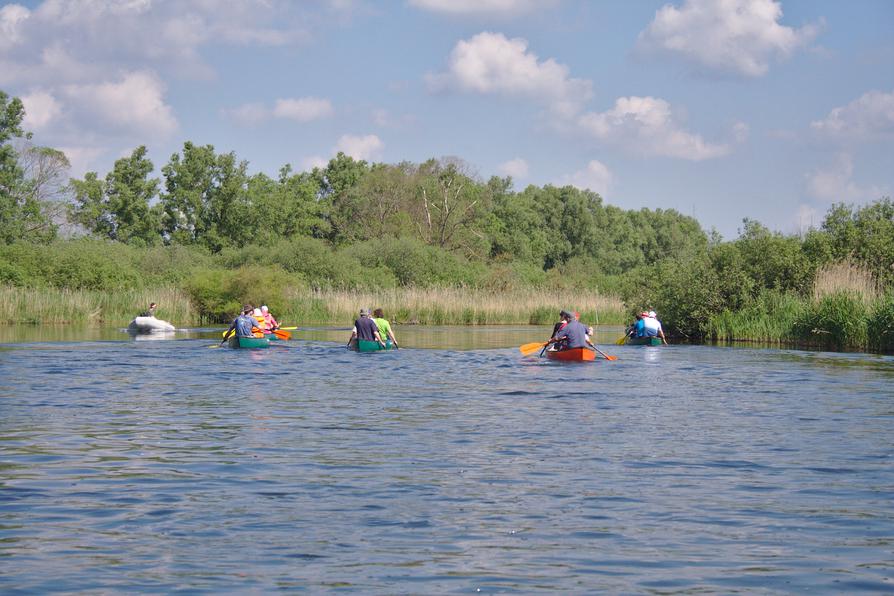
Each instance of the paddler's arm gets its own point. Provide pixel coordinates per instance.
(228, 332)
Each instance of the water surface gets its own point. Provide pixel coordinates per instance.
(161, 466)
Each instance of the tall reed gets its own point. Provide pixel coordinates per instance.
(845, 277)
(453, 306)
(53, 306)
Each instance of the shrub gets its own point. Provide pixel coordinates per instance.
(837, 321)
(219, 294)
(881, 325)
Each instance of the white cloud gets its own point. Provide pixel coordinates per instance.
(517, 168)
(41, 108)
(314, 161)
(872, 114)
(248, 114)
(368, 147)
(12, 17)
(489, 63)
(835, 183)
(135, 104)
(81, 159)
(741, 131)
(303, 109)
(647, 125)
(595, 177)
(725, 36)
(481, 7)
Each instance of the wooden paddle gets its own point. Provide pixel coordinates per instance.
(603, 354)
(531, 348)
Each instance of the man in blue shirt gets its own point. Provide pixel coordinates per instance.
(575, 333)
(365, 329)
(243, 325)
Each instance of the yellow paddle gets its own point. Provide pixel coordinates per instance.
(531, 348)
(620, 341)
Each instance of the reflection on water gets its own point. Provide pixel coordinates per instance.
(167, 466)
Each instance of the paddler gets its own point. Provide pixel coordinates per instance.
(365, 329)
(244, 325)
(652, 326)
(269, 322)
(572, 335)
(385, 331)
(150, 312)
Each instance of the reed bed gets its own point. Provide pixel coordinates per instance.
(53, 306)
(453, 306)
(845, 277)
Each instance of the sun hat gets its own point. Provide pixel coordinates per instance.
(264, 308)
(364, 312)
(652, 314)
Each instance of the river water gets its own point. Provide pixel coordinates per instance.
(163, 466)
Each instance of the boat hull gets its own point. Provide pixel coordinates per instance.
(364, 345)
(572, 355)
(248, 342)
(643, 341)
(148, 325)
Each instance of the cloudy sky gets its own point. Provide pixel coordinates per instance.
(721, 109)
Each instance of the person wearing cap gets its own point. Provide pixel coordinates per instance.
(564, 317)
(244, 325)
(652, 326)
(150, 312)
(572, 335)
(384, 326)
(366, 329)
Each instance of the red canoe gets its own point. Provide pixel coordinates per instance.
(573, 355)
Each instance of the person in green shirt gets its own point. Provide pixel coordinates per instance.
(384, 326)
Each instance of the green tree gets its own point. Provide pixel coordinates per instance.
(206, 199)
(118, 207)
(22, 215)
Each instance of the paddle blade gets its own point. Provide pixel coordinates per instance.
(609, 357)
(289, 328)
(531, 348)
(620, 341)
(281, 334)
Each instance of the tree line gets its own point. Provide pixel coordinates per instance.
(547, 235)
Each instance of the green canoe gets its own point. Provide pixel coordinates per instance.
(364, 345)
(248, 342)
(643, 341)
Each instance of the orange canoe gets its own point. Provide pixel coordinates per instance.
(573, 355)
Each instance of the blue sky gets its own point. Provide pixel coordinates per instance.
(721, 109)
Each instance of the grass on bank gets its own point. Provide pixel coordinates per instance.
(423, 306)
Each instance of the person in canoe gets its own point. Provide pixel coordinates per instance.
(635, 328)
(244, 325)
(563, 320)
(652, 326)
(149, 312)
(270, 323)
(572, 335)
(385, 331)
(366, 329)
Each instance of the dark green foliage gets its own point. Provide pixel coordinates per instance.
(22, 212)
(118, 207)
(836, 321)
(219, 294)
(881, 325)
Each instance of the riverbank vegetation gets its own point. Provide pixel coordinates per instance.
(430, 242)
